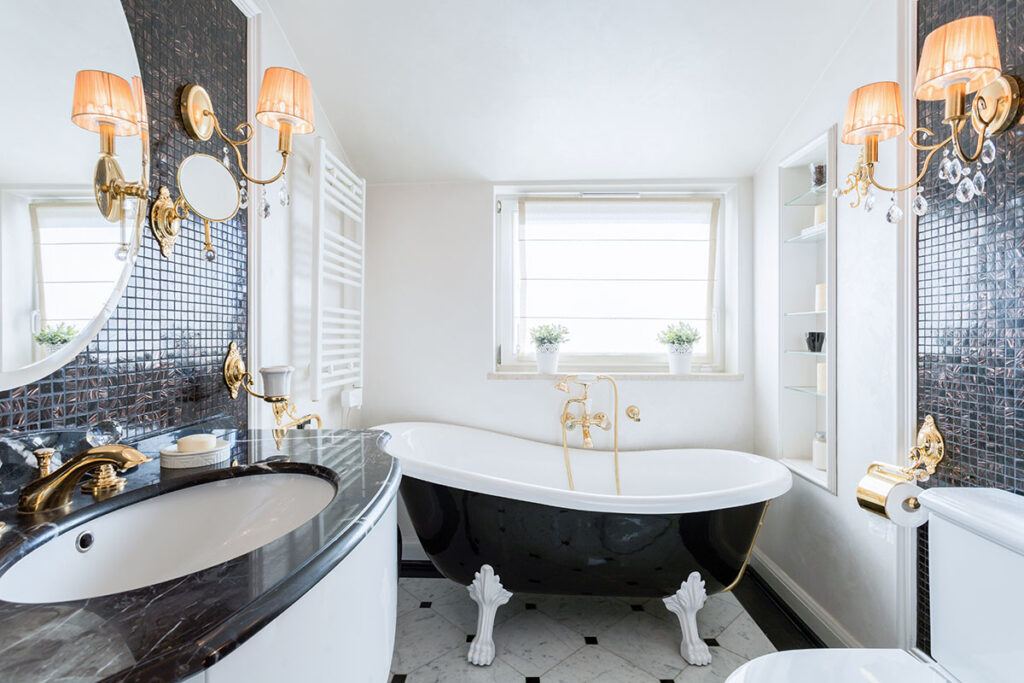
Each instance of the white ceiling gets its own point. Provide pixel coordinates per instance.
(560, 90)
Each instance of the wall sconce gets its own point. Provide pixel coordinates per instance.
(285, 104)
(276, 384)
(957, 59)
(105, 103)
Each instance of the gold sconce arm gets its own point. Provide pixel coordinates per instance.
(247, 131)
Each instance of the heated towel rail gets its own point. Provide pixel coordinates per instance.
(339, 231)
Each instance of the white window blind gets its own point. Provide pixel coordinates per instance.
(615, 272)
(76, 268)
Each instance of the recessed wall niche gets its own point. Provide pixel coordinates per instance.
(157, 362)
(970, 272)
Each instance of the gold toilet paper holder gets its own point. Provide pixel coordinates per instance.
(881, 478)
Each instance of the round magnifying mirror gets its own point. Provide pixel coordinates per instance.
(208, 187)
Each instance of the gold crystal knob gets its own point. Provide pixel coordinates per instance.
(104, 482)
(633, 413)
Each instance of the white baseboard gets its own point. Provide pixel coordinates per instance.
(817, 618)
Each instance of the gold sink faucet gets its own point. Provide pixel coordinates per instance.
(56, 489)
(585, 420)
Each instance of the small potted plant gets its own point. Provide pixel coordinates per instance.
(52, 337)
(679, 339)
(547, 338)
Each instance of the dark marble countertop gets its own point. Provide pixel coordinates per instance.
(176, 628)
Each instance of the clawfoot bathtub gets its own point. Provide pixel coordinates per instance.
(494, 513)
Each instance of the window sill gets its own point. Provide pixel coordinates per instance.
(624, 376)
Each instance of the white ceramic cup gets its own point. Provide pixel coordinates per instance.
(277, 380)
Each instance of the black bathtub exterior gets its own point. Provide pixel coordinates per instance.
(538, 548)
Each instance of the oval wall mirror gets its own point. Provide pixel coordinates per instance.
(63, 265)
(208, 188)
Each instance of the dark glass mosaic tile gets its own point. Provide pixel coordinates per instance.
(156, 364)
(970, 272)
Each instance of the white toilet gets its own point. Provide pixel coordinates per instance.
(976, 552)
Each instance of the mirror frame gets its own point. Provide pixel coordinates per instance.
(11, 379)
(191, 208)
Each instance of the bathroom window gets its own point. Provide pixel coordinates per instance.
(75, 265)
(614, 272)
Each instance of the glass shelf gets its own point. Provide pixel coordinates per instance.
(820, 354)
(795, 314)
(810, 391)
(819, 234)
(813, 197)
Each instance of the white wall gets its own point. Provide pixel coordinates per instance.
(844, 560)
(430, 332)
(284, 244)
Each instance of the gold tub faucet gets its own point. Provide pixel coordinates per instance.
(585, 421)
(56, 489)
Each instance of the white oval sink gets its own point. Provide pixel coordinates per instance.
(166, 537)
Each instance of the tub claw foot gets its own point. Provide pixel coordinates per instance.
(685, 604)
(488, 594)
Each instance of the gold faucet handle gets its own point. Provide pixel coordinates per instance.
(601, 421)
(44, 460)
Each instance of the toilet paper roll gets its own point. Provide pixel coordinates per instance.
(888, 492)
(903, 508)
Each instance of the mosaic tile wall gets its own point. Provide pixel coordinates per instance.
(156, 364)
(970, 307)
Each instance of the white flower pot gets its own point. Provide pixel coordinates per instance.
(547, 359)
(680, 359)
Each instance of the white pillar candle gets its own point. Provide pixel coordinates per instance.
(819, 214)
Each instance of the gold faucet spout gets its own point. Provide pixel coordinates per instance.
(56, 490)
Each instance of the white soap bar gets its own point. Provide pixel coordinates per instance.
(197, 443)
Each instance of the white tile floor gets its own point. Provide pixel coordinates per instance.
(545, 638)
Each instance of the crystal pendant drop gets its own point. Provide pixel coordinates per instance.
(243, 195)
(869, 201)
(988, 152)
(920, 206)
(978, 181)
(210, 254)
(956, 171)
(264, 204)
(965, 191)
(283, 195)
(225, 159)
(122, 253)
(944, 168)
(895, 213)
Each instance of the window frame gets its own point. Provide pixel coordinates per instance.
(506, 358)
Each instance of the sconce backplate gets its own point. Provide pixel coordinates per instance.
(234, 370)
(165, 222)
(105, 177)
(195, 102)
(1003, 96)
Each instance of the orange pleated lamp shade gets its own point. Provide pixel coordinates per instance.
(285, 96)
(139, 100)
(965, 50)
(104, 98)
(873, 109)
